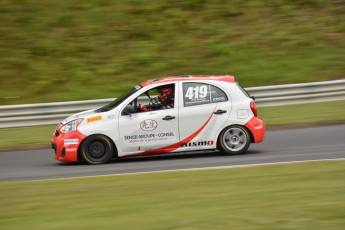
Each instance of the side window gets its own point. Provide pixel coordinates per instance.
(161, 97)
(196, 94)
(201, 93)
(218, 95)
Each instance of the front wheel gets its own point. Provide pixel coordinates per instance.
(97, 149)
(234, 140)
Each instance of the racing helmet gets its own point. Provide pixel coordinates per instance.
(166, 96)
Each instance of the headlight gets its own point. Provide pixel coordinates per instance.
(71, 126)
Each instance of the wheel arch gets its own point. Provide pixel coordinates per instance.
(233, 125)
(115, 153)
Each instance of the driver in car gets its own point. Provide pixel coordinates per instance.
(165, 100)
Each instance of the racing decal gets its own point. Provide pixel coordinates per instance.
(71, 149)
(197, 143)
(219, 99)
(196, 94)
(148, 125)
(71, 141)
(95, 118)
(149, 137)
(201, 93)
(177, 145)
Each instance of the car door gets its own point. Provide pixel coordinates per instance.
(153, 128)
(204, 109)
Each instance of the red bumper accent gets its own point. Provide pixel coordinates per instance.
(66, 145)
(257, 128)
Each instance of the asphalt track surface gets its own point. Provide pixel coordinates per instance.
(284, 145)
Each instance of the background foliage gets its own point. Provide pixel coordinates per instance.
(69, 50)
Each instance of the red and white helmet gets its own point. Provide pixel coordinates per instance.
(166, 96)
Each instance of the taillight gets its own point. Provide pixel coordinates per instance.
(253, 108)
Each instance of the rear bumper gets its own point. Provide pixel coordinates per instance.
(257, 128)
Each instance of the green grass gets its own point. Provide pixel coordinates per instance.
(26, 137)
(71, 50)
(300, 196)
(303, 114)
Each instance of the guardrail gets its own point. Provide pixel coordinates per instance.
(299, 93)
(53, 113)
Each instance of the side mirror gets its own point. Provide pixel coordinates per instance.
(128, 110)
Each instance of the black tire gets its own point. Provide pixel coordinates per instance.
(97, 149)
(234, 140)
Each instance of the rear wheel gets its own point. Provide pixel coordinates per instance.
(97, 149)
(234, 140)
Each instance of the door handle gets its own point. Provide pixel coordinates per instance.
(166, 118)
(219, 111)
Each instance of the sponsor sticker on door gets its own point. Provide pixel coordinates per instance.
(148, 125)
(149, 137)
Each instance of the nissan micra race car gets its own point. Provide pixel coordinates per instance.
(174, 114)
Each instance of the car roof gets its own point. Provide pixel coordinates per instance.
(226, 78)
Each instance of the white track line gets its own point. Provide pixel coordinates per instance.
(183, 170)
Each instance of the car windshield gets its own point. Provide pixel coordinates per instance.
(118, 100)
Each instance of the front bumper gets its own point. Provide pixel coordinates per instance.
(66, 145)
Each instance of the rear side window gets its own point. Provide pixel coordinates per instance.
(202, 93)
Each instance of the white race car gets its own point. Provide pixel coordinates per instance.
(174, 114)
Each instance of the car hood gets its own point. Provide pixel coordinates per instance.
(83, 114)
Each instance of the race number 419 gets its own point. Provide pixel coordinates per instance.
(196, 92)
